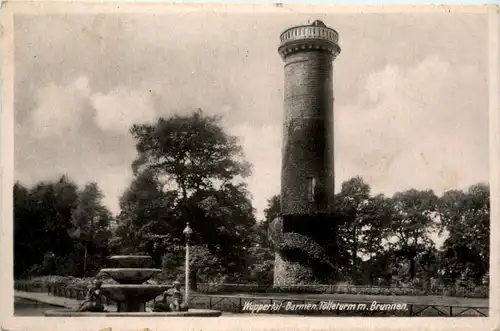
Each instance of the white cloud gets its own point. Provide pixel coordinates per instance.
(59, 108)
(122, 107)
(113, 181)
(261, 145)
(418, 129)
(81, 85)
(59, 117)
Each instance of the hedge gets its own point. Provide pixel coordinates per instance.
(478, 292)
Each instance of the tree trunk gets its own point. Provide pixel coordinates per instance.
(412, 267)
(193, 278)
(104, 254)
(371, 269)
(354, 254)
(157, 256)
(85, 261)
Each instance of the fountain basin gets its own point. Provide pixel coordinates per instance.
(130, 261)
(133, 292)
(129, 275)
(190, 313)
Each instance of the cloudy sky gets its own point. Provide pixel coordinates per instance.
(411, 105)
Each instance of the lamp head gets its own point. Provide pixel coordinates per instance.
(187, 231)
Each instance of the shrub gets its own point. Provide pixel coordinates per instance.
(342, 290)
(480, 292)
(232, 288)
(332, 289)
(460, 292)
(66, 281)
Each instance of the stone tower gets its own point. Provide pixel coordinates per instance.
(304, 227)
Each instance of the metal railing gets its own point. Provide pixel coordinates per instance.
(243, 304)
(69, 292)
(309, 31)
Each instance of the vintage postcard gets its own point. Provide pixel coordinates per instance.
(230, 167)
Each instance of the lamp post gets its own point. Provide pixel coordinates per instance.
(187, 232)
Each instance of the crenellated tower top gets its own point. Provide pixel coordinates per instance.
(316, 36)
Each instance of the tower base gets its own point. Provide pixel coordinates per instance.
(304, 249)
(291, 273)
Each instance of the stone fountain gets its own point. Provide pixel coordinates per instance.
(131, 272)
(131, 294)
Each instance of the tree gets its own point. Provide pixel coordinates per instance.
(261, 265)
(146, 211)
(413, 220)
(54, 204)
(466, 218)
(91, 221)
(42, 222)
(273, 208)
(376, 218)
(191, 152)
(192, 171)
(351, 203)
(261, 229)
(28, 230)
(390, 239)
(261, 254)
(207, 266)
(375, 223)
(223, 220)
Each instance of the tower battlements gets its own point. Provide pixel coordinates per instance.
(316, 36)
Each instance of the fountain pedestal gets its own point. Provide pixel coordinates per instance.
(131, 306)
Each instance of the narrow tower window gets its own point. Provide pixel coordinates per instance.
(311, 188)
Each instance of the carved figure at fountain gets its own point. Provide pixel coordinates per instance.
(94, 299)
(176, 303)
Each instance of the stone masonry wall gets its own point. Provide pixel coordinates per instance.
(308, 132)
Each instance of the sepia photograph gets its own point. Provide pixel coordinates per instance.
(220, 161)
